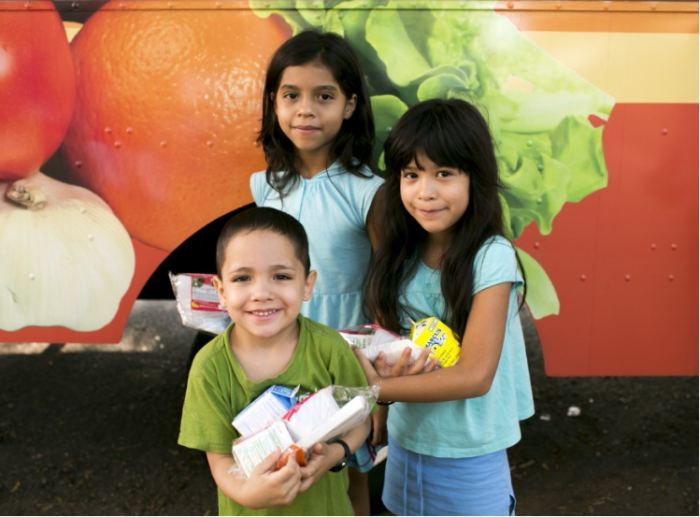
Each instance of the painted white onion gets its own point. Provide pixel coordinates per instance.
(65, 259)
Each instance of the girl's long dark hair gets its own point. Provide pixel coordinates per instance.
(452, 133)
(353, 144)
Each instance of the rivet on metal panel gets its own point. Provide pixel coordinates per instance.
(218, 5)
(171, 5)
(210, 143)
(129, 130)
(537, 245)
(664, 131)
(583, 278)
(108, 130)
(78, 164)
(75, 6)
(122, 5)
(539, 200)
(606, 5)
(628, 278)
(558, 5)
(27, 5)
(653, 246)
(674, 246)
(653, 7)
(671, 278)
(118, 144)
(164, 143)
(511, 5)
(529, 142)
(32, 276)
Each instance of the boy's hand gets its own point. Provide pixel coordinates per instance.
(322, 458)
(267, 488)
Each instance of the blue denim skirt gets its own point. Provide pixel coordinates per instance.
(418, 484)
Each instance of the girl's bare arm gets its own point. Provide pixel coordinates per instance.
(474, 372)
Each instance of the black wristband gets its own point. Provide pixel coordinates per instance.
(344, 460)
(384, 403)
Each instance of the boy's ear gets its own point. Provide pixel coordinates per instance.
(219, 285)
(309, 286)
(350, 106)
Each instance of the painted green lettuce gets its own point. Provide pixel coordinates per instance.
(538, 109)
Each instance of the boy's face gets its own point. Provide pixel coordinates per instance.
(263, 284)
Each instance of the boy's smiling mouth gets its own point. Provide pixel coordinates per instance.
(263, 314)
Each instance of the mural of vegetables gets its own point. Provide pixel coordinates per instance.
(549, 151)
(593, 106)
(167, 111)
(65, 260)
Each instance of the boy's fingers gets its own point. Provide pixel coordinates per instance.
(268, 463)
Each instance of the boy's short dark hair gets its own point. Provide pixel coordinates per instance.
(263, 218)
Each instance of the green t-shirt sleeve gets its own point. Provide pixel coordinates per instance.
(206, 415)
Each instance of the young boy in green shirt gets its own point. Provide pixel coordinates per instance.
(263, 276)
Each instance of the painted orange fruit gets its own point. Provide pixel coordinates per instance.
(168, 107)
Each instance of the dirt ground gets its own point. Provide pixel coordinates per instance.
(92, 430)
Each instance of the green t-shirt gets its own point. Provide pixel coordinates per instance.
(217, 389)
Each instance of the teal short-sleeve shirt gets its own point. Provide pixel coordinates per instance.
(481, 425)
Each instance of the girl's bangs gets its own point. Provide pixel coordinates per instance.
(444, 146)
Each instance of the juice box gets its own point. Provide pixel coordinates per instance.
(434, 334)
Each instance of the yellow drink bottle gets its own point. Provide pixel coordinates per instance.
(434, 334)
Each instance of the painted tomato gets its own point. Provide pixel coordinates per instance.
(37, 82)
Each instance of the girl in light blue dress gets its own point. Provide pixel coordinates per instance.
(443, 253)
(317, 134)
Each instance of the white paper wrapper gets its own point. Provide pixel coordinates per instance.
(393, 351)
(249, 452)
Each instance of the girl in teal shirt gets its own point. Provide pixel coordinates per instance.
(443, 253)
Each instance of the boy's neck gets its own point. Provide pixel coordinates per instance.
(264, 358)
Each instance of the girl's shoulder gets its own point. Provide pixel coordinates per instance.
(495, 262)
(259, 187)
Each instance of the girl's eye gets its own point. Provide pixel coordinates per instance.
(242, 278)
(409, 175)
(444, 174)
(282, 276)
(325, 96)
(290, 96)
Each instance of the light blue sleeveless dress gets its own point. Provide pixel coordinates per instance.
(333, 207)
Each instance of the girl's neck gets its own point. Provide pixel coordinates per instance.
(434, 248)
(310, 166)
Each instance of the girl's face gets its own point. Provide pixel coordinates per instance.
(436, 196)
(311, 108)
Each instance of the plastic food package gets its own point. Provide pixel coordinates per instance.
(319, 417)
(393, 351)
(198, 302)
(363, 336)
